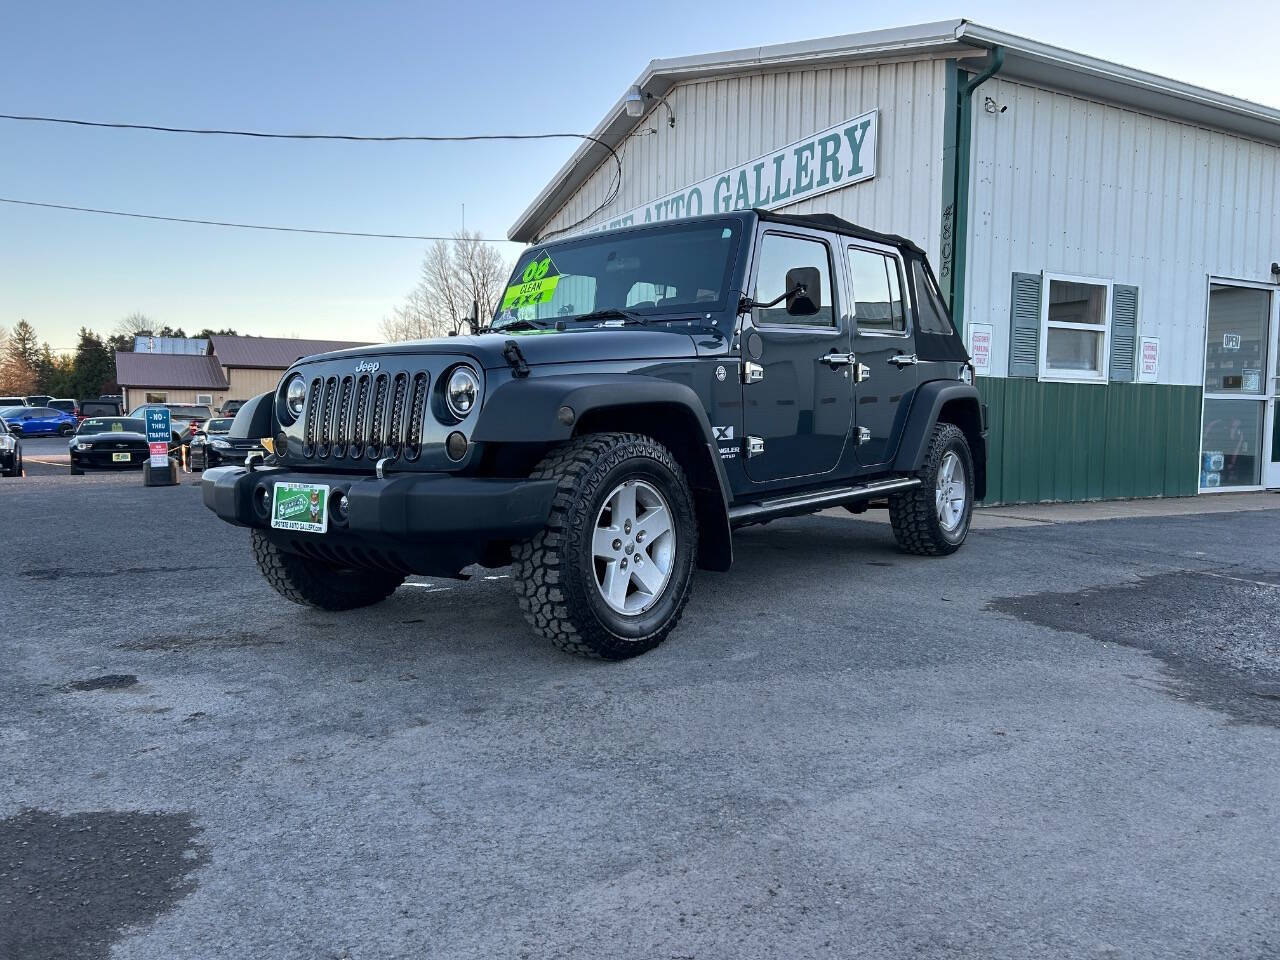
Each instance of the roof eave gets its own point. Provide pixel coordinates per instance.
(661, 75)
(1073, 72)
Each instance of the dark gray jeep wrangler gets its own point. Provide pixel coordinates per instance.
(639, 394)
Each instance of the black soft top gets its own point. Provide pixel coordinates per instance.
(829, 221)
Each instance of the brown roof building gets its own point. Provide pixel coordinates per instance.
(254, 365)
(237, 368)
(170, 378)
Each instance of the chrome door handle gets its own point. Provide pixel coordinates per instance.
(904, 360)
(834, 360)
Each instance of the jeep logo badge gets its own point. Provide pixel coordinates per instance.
(367, 366)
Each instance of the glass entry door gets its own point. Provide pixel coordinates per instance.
(1236, 448)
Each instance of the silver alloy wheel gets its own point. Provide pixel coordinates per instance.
(633, 547)
(951, 492)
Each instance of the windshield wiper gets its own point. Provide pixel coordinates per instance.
(623, 317)
(521, 323)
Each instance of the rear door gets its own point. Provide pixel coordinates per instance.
(797, 408)
(883, 344)
(45, 420)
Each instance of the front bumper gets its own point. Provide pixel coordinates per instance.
(401, 508)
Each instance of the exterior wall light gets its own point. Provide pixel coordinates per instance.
(634, 102)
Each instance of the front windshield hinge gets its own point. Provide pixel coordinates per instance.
(515, 359)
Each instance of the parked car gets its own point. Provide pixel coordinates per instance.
(39, 421)
(640, 394)
(66, 406)
(39, 400)
(7, 402)
(108, 443)
(181, 418)
(229, 408)
(10, 452)
(212, 447)
(102, 407)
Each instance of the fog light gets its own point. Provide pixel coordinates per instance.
(456, 446)
(341, 506)
(262, 501)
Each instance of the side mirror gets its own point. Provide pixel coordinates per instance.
(808, 300)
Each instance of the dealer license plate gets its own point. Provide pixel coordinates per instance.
(300, 506)
(120, 457)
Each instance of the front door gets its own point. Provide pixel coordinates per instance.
(882, 343)
(797, 406)
(1237, 449)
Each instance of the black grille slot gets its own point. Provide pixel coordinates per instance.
(377, 418)
(309, 430)
(360, 416)
(326, 415)
(417, 405)
(342, 433)
(395, 427)
(353, 418)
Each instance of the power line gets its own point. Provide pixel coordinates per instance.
(242, 226)
(612, 193)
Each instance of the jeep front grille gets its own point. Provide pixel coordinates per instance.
(368, 417)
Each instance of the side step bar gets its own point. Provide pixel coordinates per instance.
(748, 513)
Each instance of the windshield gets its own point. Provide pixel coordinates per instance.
(681, 267)
(10, 412)
(112, 425)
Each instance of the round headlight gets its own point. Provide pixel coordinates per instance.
(461, 391)
(295, 395)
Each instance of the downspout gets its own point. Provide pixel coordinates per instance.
(959, 222)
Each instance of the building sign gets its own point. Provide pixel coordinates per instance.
(980, 347)
(1149, 360)
(1231, 341)
(827, 160)
(158, 434)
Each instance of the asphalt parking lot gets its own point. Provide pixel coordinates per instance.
(1060, 742)
(45, 456)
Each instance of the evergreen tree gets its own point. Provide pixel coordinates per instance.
(94, 367)
(18, 362)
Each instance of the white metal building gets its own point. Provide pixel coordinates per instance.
(1108, 237)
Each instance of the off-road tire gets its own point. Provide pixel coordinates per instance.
(554, 570)
(315, 584)
(914, 512)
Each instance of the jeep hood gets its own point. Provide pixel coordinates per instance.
(587, 345)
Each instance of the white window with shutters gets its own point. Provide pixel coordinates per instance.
(1072, 329)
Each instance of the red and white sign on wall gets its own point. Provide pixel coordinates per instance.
(1149, 360)
(980, 346)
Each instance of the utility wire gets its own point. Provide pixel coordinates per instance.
(242, 226)
(268, 135)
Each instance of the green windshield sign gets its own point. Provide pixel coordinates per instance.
(537, 285)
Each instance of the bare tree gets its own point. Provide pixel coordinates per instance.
(134, 324)
(455, 274)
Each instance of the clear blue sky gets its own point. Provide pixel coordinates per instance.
(376, 68)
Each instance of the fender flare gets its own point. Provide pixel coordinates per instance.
(528, 411)
(926, 410)
(255, 419)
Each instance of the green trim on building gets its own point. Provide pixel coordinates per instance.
(950, 131)
(1068, 441)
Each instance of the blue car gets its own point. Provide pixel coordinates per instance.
(39, 421)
